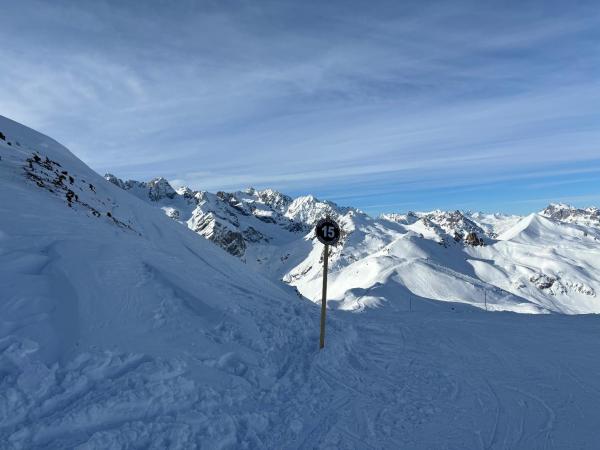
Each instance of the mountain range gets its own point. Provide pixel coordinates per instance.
(543, 262)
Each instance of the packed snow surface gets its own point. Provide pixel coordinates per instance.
(123, 328)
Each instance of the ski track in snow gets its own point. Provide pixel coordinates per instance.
(411, 380)
(449, 395)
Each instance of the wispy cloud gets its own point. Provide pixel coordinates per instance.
(320, 97)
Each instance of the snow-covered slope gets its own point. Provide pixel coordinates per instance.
(117, 320)
(121, 328)
(538, 265)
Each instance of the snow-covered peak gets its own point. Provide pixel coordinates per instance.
(309, 210)
(453, 222)
(274, 199)
(114, 180)
(153, 190)
(441, 225)
(566, 213)
(406, 219)
(185, 192)
(160, 188)
(540, 229)
(559, 205)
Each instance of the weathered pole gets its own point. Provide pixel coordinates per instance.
(324, 296)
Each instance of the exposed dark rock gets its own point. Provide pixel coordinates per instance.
(252, 235)
(159, 189)
(473, 239)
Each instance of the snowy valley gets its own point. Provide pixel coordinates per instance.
(135, 315)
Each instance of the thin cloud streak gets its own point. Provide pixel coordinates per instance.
(306, 96)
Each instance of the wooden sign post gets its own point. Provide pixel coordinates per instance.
(328, 233)
(324, 297)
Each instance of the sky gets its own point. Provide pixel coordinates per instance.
(387, 106)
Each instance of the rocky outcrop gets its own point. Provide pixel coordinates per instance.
(213, 229)
(116, 181)
(160, 188)
(232, 220)
(155, 190)
(126, 185)
(446, 225)
(555, 285)
(276, 200)
(473, 239)
(567, 213)
(453, 222)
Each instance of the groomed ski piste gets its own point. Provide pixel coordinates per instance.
(120, 328)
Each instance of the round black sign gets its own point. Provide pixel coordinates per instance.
(328, 231)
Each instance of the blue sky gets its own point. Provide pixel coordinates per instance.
(382, 105)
